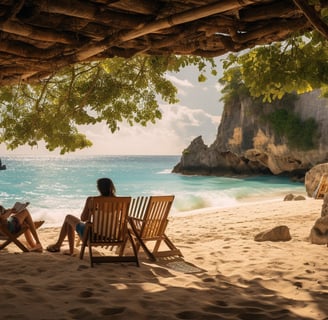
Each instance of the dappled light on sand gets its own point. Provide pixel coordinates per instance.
(223, 274)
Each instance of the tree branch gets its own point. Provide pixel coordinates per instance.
(313, 17)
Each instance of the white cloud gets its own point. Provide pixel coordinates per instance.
(170, 135)
(179, 82)
(197, 113)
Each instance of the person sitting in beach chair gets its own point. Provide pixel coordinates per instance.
(11, 225)
(71, 223)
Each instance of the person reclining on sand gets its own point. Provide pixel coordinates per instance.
(14, 221)
(71, 223)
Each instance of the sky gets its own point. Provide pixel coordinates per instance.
(198, 113)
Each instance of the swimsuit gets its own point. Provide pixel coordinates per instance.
(80, 228)
(13, 224)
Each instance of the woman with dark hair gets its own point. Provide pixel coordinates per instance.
(71, 223)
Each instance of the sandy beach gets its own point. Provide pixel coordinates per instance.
(224, 273)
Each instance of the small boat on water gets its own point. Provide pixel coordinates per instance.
(2, 166)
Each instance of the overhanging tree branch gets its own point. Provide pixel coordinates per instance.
(313, 17)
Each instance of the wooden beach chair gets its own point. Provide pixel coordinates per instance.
(148, 218)
(7, 237)
(322, 187)
(108, 228)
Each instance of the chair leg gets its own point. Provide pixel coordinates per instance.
(90, 255)
(82, 250)
(84, 241)
(134, 248)
(170, 244)
(147, 251)
(141, 243)
(157, 244)
(13, 238)
(122, 247)
(20, 245)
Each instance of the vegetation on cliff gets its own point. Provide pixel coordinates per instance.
(299, 134)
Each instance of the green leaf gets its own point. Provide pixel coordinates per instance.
(109, 91)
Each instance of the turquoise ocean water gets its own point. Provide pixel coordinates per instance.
(56, 186)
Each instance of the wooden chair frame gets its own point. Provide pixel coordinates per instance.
(108, 228)
(148, 218)
(7, 237)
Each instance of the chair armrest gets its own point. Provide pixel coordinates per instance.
(135, 219)
(135, 223)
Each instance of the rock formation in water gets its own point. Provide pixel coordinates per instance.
(248, 145)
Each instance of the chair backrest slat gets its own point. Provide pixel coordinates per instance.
(138, 207)
(155, 219)
(109, 219)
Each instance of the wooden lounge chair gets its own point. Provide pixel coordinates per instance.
(148, 218)
(7, 237)
(108, 228)
(322, 187)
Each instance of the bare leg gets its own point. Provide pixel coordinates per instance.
(67, 229)
(71, 237)
(25, 217)
(29, 238)
(62, 234)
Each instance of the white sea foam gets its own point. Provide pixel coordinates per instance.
(57, 186)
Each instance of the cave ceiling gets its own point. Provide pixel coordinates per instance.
(39, 37)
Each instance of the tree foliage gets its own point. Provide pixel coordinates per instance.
(112, 90)
(299, 65)
(233, 86)
(299, 134)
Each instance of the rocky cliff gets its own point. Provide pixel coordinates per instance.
(247, 145)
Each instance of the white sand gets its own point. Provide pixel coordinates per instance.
(224, 274)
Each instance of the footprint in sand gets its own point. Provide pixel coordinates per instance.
(112, 311)
(81, 313)
(8, 295)
(309, 271)
(59, 287)
(208, 280)
(19, 281)
(298, 284)
(195, 315)
(86, 294)
(27, 288)
(221, 303)
(82, 267)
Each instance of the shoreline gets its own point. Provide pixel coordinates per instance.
(249, 201)
(224, 273)
(52, 220)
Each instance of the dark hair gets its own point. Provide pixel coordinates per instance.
(106, 187)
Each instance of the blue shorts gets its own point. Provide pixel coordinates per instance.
(13, 224)
(80, 228)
